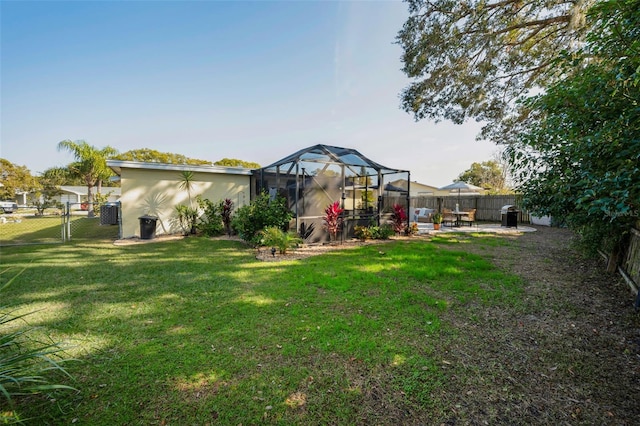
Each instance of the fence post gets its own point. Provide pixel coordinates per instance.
(68, 218)
(63, 224)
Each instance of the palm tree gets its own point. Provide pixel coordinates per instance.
(186, 183)
(90, 164)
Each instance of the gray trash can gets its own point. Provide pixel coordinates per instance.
(147, 227)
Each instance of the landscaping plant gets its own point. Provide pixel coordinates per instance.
(273, 236)
(333, 219)
(226, 207)
(382, 232)
(210, 222)
(262, 212)
(26, 365)
(398, 217)
(363, 233)
(187, 217)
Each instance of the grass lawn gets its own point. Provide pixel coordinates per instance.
(26, 229)
(198, 331)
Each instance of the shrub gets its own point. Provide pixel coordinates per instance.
(333, 219)
(273, 236)
(216, 218)
(398, 217)
(306, 230)
(363, 233)
(413, 229)
(187, 217)
(226, 208)
(382, 232)
(262, 212)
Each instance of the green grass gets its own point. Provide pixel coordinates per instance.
(198, 331)
(48, 229)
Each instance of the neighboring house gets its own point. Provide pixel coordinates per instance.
(78, 194)
(154, 189)
(417, 189)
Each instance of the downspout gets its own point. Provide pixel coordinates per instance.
(296, 197)
(408, 199)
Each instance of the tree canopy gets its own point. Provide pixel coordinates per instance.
(147, 155)
(233, 162)
(489, 175)
(90, 164)
(473, 58)
(15, 179)
(59, 176)
(578, 153)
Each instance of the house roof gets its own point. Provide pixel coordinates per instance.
(117, 166)
(82, 190)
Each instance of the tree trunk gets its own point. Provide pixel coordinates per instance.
(90, 212)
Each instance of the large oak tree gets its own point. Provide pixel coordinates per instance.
(470, 59)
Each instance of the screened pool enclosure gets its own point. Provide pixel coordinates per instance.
(315, 177)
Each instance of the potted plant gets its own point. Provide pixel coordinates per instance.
(436, 218)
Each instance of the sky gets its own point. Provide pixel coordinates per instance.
(209, 80)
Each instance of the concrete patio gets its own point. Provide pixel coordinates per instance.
(495, 228)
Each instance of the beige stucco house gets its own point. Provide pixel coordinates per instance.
(154, 189)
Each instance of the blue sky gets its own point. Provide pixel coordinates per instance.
(250, 80)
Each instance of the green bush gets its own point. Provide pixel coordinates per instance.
(187, 217)
(273, 236)
(259, 214)
(363, 233)
(382, 232)
(373, 232)
(211, 221)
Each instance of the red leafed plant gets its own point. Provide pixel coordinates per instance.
(333, 219)
(399, 217)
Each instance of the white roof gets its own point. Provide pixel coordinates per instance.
(117, 166)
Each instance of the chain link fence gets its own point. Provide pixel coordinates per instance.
(71, 222)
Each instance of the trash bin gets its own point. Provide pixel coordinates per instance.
(147, 227)
(109, 214)
(509, 216)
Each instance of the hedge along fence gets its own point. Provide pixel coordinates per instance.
(488, 207)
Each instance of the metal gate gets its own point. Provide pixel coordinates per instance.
(92, 221)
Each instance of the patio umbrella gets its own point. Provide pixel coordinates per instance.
(461, 187)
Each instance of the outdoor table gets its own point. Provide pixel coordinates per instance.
(458, 215)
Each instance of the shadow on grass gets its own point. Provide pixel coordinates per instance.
(199, 331)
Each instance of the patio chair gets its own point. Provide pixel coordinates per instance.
(448, 216)
(469, 218)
